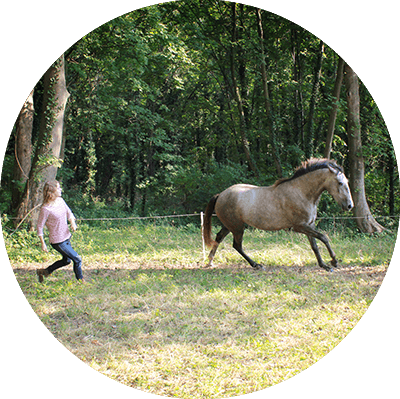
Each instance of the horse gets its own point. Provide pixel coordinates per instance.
(290, 203)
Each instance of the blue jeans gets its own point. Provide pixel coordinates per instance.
(68, 255)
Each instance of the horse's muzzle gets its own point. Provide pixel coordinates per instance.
(347, 206)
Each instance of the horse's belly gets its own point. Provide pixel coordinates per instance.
(268, 221)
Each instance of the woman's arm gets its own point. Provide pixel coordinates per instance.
(41, 221)
(70, 217)
(44, 246)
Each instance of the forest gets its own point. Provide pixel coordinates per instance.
(156, 111)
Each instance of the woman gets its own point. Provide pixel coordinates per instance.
(54, 213)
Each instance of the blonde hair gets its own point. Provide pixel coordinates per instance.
(50, 191)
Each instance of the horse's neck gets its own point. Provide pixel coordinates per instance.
(312, 184)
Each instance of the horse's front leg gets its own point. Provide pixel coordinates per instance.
(315, 249)
(312, 233)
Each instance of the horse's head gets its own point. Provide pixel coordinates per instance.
(338, 187)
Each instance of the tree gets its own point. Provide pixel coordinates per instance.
(267, 101)
(365, 220)
(236, 92)
(310, 126)
(174, 102)
(23, 149)
(335, 104)
(45, 161)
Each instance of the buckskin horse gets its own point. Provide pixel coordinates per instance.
(289, 203)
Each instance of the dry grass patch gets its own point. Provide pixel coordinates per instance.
(202, 333)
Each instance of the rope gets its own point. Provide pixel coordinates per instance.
(199, 214)
(140, 217)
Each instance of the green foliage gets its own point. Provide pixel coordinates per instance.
(188, 189)
(22, 245)
(152, 123)
(6, 182)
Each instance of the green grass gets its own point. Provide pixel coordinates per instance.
(153, 318)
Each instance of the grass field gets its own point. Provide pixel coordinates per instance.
(152, 317)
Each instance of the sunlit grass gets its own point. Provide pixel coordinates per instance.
(153, 318)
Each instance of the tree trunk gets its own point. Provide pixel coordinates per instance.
(55, 100)
(267, 101)
(335, 104)
(391, 181)
(365, 221)
(309, 145)
(23, 150)
(46, 158)
(238, 98)
(298, 116)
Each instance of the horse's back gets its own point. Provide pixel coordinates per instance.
(233, 194)
(238, 189)
(256, 206)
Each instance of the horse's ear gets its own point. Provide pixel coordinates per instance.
(333, 170)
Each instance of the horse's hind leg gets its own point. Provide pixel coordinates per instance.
(237, 244)
(219, 238)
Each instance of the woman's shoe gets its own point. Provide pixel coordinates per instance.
(41, 274)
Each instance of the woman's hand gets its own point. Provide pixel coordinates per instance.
(73, 225)
(44, 246)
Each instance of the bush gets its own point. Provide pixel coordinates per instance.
(188, 188)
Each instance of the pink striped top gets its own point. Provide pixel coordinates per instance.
(55, 217)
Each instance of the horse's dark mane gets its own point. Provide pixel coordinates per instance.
(310, 166)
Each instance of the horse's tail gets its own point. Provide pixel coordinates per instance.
(207, 221)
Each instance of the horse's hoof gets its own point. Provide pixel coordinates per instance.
(257, 266)
(327, 268)
(334, 262)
